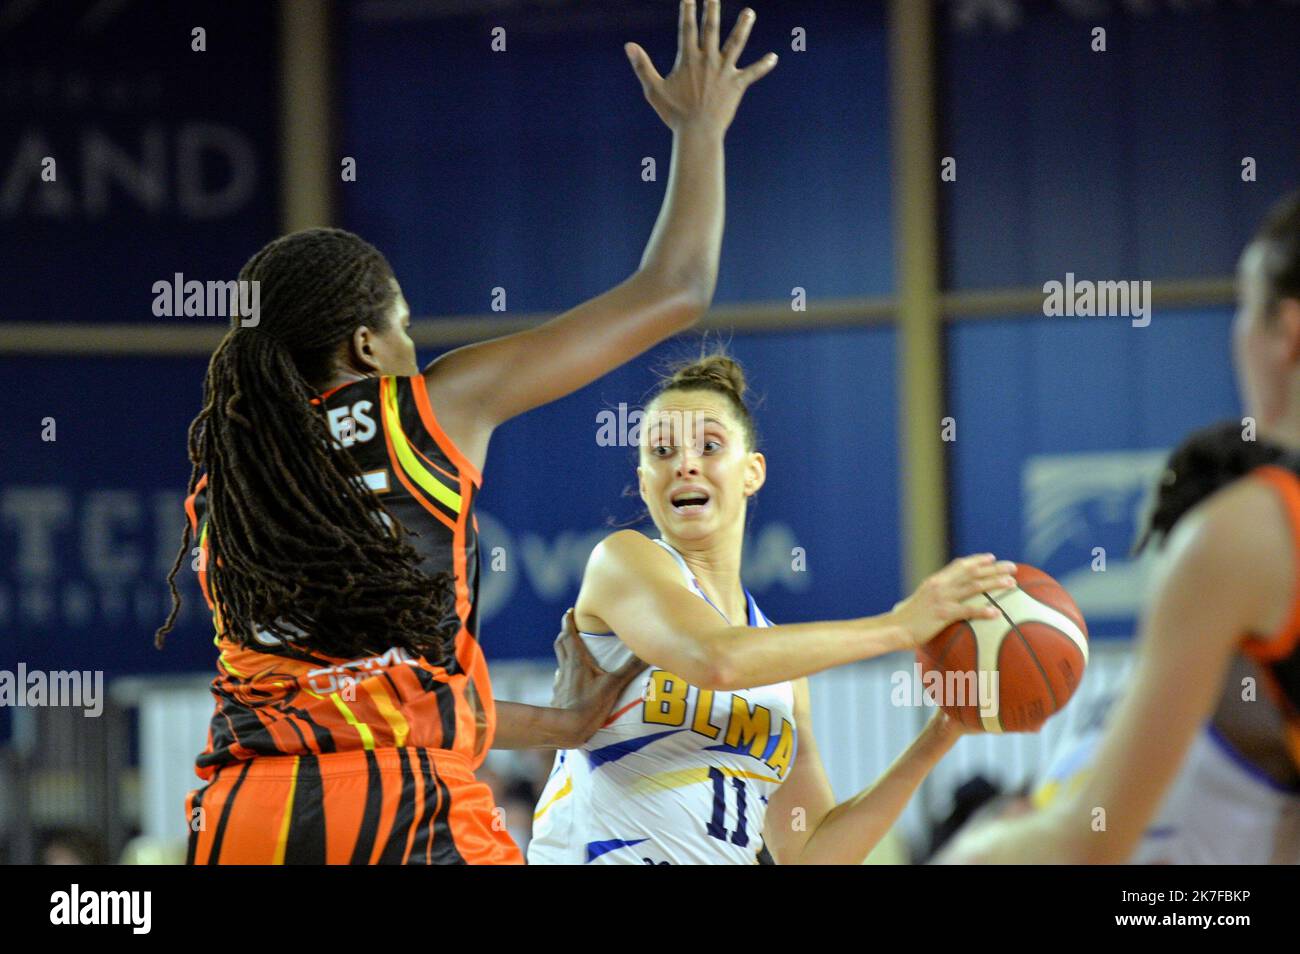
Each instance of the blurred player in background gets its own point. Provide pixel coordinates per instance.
(697, 763)
(332, 499)
(1192, 731)
(1190, 827)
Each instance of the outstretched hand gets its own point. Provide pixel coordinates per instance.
(946, 597)
(705, 86)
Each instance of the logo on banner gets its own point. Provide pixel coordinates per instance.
(1077, 503)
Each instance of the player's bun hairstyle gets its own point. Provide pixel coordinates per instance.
(297, 545)
(1206, 462)
(1279, 237)
(715, 371)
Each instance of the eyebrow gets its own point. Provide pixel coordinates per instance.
(659, 424)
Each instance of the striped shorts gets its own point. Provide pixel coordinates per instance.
(380, 806)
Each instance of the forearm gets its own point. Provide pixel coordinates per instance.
(521, 726)
(686, 242)
(1040, 838)
(851, 829)
(736, 660)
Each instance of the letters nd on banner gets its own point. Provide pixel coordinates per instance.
(139, 143)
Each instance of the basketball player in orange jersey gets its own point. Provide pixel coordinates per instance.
(332, 501)
(1225, 610)
(713, 756)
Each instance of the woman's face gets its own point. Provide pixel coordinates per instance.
(696, 471)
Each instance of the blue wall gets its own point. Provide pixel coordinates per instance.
(165, 157)
(522, 169)
(1122, 164)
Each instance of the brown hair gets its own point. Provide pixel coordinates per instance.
(718, 372)
(1279, 237)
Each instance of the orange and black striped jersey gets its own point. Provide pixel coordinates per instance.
(1279, 654)
(282, 698)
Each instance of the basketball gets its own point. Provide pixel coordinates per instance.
(1012, 673)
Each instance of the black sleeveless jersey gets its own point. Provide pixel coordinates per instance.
(278, 697)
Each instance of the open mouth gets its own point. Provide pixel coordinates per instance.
(690, 501)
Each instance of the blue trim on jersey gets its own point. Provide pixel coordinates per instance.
(1167, 831)
(595, 635)
(772, 742)
(559, 764)
(700, 590)
(597, 848)
(614, 752)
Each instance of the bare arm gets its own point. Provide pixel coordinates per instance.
(633, 587)
(583, 695)
(1184, 650)
(521, 726)
(830, 834)
(475, 388)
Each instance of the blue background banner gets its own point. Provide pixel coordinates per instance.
(469, 178)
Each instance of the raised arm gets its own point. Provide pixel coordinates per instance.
(632, 587)
(475, 388)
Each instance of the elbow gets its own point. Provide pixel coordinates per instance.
(685, 295)
(717, 669)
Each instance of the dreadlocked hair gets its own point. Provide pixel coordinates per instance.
(298, 546)
(1209, 460)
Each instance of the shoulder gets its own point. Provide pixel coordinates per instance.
(1238, 543)
(627, 551)
(1248, 518)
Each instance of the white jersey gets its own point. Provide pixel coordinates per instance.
(1219, 810)
(677, 775)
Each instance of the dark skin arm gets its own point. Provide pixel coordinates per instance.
(475, 388)
(582, 698)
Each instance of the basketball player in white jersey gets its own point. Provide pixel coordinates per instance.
(710, 757)
(1202, 749)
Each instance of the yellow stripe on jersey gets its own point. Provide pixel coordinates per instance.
(401, 728)
(283, 838)
(406, 456)
(690, 776)
(363, 730)
(229, 668)
(565, 789)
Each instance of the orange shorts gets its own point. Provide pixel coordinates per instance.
(385, 806)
